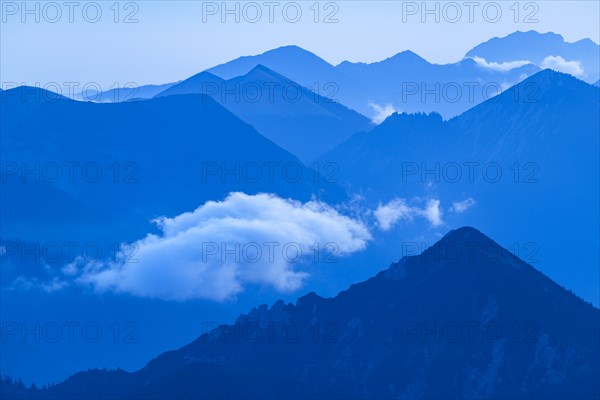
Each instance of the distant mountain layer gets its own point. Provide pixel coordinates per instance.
(126, 93)
(120, 165)
(581, 58)
(465, 319)
(404, 82)
(297, 119)
(408, 83)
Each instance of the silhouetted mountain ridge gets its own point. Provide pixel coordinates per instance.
(392, 336)
(301, 121)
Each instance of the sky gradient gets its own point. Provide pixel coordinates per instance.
(173, 40)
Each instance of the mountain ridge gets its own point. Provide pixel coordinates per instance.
(386, 312)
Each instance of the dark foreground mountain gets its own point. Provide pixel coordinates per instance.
(465, 319)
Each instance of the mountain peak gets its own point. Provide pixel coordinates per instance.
(465, 234)
(408, 56)
(261, 68)
(261, 72)
(290, 50)
(547, 79)
(206, 74)
(289, 47)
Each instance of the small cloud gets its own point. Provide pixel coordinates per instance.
(381, 112)
(432, 212)
(559, 64)
(502, 67)
(398, 209)
(462, 206)
(387, 215)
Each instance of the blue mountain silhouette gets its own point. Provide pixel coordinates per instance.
(393, 81)
(297, 119)
(453, 322)
(411, 84)
(162, 147)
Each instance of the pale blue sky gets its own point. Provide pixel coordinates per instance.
(171, 42)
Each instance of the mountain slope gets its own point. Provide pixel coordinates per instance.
(130, 92)
(196, 84)
(143, 159)
(465, 319)
(297, 119)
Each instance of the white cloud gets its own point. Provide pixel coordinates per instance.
(381, 112)
(503, 67)
(432, 212)
(558, 63)
(398, 209)
(462, 206)
(219, 248)
(394, 211)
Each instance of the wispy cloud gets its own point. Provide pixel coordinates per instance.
(381, 112)
(459, 207)
(503, 66)
(387, 215)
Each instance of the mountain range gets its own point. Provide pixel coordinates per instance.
(406, 82)
(401, 81)
(464, 319)
(297, 119)
(410, 161)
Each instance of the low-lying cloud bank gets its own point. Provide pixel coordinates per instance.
(502, 67)
(222, 247)
(214, 251)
